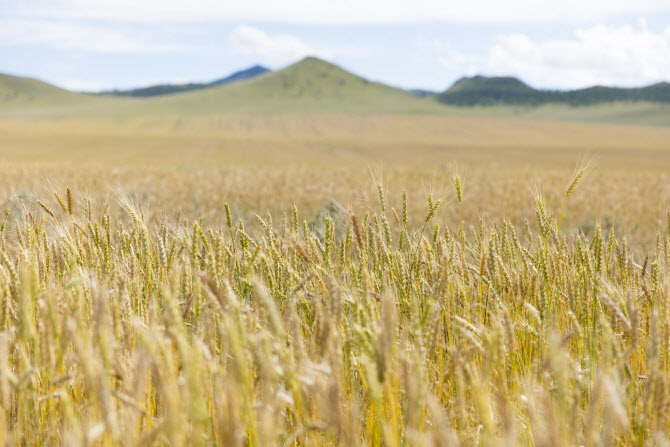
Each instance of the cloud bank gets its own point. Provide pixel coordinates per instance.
(625, 55)
(77, 36)
(598, 55)
(330, 12)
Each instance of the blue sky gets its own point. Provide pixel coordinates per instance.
(102, 44)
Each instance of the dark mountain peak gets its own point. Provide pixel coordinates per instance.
(247, 73)
(256, 68)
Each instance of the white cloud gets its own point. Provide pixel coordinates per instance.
(625, 56)
(69, 35)
(334, 12)
(280, 48)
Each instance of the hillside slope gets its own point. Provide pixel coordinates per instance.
(311, 85)
(19, 92)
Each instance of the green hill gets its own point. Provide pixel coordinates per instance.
(311, 85)
(27, 93)
(487, 91)
(481, 90)
(595, 95)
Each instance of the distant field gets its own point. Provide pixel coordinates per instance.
(329, 140)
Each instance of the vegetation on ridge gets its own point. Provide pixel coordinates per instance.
(487, 91)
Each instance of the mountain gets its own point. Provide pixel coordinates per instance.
(486, 91)
(316, 86)
(310, 85)
(422, 93)
(659, 92)
(247, 73)
(20, 92)
(481, 90)
(167, 89)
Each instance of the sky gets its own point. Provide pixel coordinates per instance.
(93, 45)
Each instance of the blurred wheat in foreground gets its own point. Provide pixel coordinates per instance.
(119, 331)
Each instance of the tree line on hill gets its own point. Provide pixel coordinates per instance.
(483, 91)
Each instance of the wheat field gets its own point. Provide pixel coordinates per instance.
(427, 315)
(329, 279)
